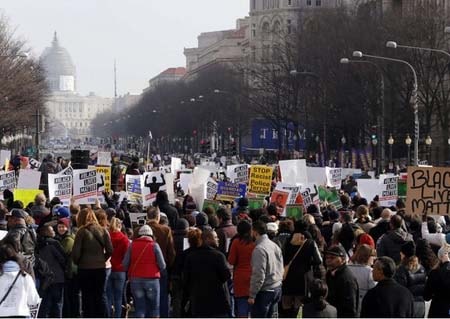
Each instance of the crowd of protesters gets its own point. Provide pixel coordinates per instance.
(361, 260)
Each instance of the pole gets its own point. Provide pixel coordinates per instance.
(383, 114)
(416, 121)
(38, 129)
(409, 155)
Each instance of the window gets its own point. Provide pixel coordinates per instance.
(253, 30)
(265, 4)
(308, 2)
(265, 52)
(318, 3)
(277, 27)
(253, 4)
(265, 30)
(289, 2)
(289, 26)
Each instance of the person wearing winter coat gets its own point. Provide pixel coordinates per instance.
(51, 251)
(387, 299)
(390, 243)
(162, 201)
(316, 306)
(437, 287)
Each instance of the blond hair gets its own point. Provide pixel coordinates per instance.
(86, 217)
(115, 224)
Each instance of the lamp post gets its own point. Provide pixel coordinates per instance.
(375, 159)
(408, 142)
(380, 103)
(413, 101)
(395, 45)
(390, 142)
(428, 142)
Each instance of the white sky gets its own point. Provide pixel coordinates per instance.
(144, 36)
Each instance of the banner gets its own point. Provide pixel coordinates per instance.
(330, 196)
(228, 191)
(334, 177)
(133, 184)
(238, 173)
(279, 199)
(211, 189)
(29, 179)
(153, 182)
(428, 190)
(60, 185)
(294, 211)
(85, 186)
(104, 158)
(294, 192)
(260, 179)
(26, 196)
(293, 171)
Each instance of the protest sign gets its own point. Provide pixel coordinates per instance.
(330, 196)
(4, 155)
(169, 190)
(175, 165)
(279, 199)
(368, 188)
(294, 211)
(26, 196)
(85, 186)
(34, 163)
(152, 183)
(228, 191)
(294, 192)
(29, 179)
(198, 193)
(210, 203)
(133, 184)
(334, 177)
(317, 175)
(255, 203)
(211, 188)
(388, 194)
(293, 171)
(104, 158)
(306, 198)
(260, 179)
(428, 190)
(103, 181)
(60, 185)
(3, 234)
(185, 181)
(238, 173)
(138, 218)
(7, 181)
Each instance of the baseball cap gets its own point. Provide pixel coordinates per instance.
(18, 213)
(335, 251)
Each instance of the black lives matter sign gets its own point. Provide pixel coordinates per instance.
(428, 190)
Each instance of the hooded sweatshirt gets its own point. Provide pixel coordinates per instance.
(391, 242)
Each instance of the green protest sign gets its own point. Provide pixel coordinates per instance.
(211, 203)
(255, 203)
(294, 211)
(331, 196)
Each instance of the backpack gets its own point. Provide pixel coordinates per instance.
(43, 274)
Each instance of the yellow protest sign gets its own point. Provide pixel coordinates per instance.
(26, 196)
(105, 173)
(260, 179)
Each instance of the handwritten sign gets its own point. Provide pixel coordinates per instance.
(388, 190)
(334, 177)
(260, 179)
(428, 190)
(211, 188)
(7, 181)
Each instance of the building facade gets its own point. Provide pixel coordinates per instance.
(70, 114)
(168, 75)
(124, 102)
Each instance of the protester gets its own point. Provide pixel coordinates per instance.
(240, 256)
(317, 306)
(226, 230)
(162, 201)
(393, 240)
(343, 291)
(91, 249)
(144, 262)
(205, 274)
(267, 274)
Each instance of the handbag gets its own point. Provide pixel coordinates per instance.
(286, 268)
(10, 288)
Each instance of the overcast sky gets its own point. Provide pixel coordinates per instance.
(144, 36)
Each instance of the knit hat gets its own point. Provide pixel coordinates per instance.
(64, 221)
(272, 227)
(182, 224)
(367, 239)
(243, 202)
(201, 219)
(444, 250)
(145, 231)
(62, 212)
(408, 249)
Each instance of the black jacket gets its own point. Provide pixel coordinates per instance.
(205, 275)
(171, 212)
(388, 299)
(25, 236)
(390, 244)
(51, 251)
(437, 289)
(343, 292)
(379, 230)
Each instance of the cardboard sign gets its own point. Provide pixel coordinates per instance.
(260, 179)
(26, 196)
(60, 185)
(211, 189)
(4, 155)
(153, 182)
(238, 173)
(7, 181)
(228, 191)
(334, 177)
(175, 165)
(103, 181)
(428, 190)
(133, 184)
(85, 186)
(104, 158)
(185, 181)
(29, 179)
(293, 171)
(279, 199)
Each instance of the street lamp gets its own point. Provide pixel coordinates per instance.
(343, 140)
(408, 142)
(390, 142)
(413, 101)
(395, 45)
(374, 143)
(380, 103)
(428, 142)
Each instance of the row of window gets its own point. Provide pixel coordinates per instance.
(266, 30)
(77, 107)
(273, 4)
(76, 124)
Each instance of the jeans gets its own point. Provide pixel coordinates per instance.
(146, 297)
(266, 303)
(164, 294)
(243, 308)
(114, 290)
(52, 302)
(92, 284)
(72, 298)
(105, 293)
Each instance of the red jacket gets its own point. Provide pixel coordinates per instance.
(240, 257)
(120, 245)
(143, 263)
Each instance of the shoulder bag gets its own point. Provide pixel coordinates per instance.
(286, 268)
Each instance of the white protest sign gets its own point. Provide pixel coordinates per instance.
(34, 163)
(317, 175)
(198, 193)
(60, 185)
(85, 186)
(104, 158)
(293, 171)
(134, 188)
(211, 188)
(3, 234)
(334, 177)
(388, 190)
(28, 179)
(4, 155)
(292, 189)
(313, 190)
(185, 181)
(238, 173)
(152, 183)
(368, 188)
(175, 165)
(169, 190)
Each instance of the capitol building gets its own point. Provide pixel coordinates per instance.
(70, 114)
